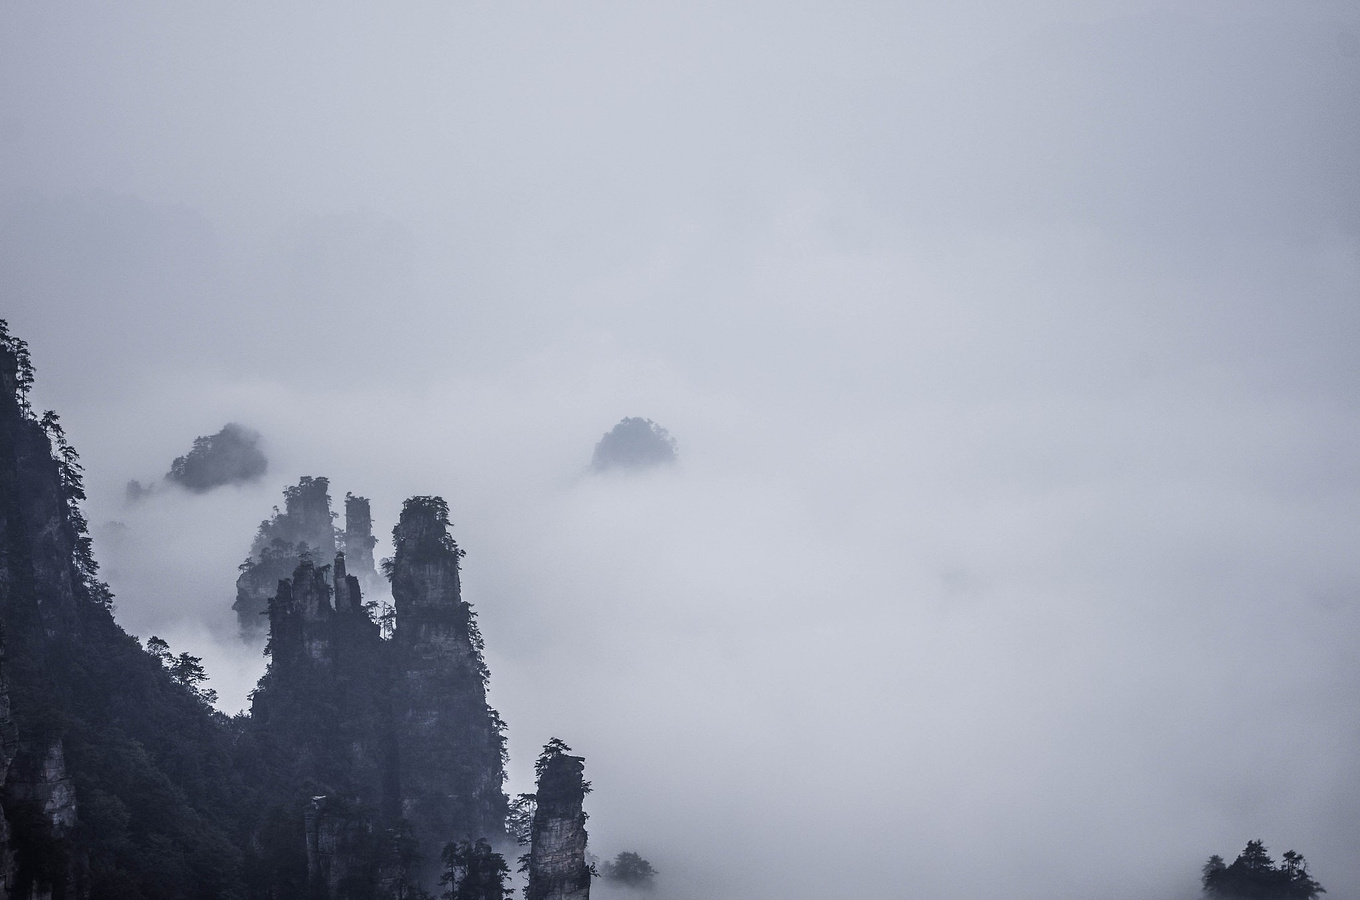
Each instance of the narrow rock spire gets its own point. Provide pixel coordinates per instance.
(557, 850)
(358, 540)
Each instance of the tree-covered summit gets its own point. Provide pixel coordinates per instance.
(634, 443)
(1255, 876)
(232, 456)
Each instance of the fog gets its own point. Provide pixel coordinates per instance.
(1010, 353)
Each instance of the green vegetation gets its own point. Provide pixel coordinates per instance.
(519, 822)
(1254, 876)
(473, 871)
(629, 868)
(186, 670)
(70, 475)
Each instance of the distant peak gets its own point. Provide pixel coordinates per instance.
(634, 443)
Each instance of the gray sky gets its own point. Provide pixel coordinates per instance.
(1010, 349)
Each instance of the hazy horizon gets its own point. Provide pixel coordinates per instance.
(1010, 353)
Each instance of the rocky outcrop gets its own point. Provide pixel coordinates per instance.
(396, 731)
(557, 849)
(358, 541)
(304, 528)
(452, 745)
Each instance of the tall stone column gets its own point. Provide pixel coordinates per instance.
(451, 765)
(557, 850)
(359, 541)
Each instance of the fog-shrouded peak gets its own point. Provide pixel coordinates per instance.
(232, 456)
(634, 443)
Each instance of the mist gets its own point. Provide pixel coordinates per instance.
(1009, 353)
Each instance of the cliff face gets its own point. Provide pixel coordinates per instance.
(452, 747)
(8, 745)
(345, 858)
(303, 529)
(557, 852)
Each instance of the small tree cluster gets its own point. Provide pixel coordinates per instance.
(23, 366)
(554, 748)
(473, 871)
(384, 615)
(629, 868)
(1254, 876)
(71, 478)
(519, 821)
(186, 670)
